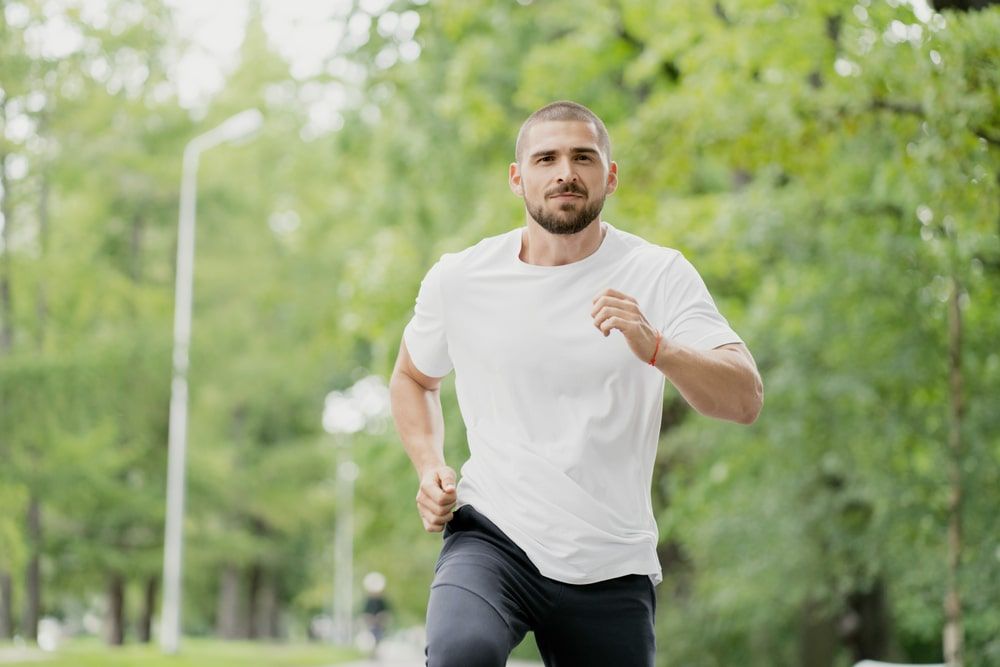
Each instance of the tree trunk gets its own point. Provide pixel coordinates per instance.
(953, 631)
(6, 343)
(32, 578)
(6, 605)
(253, 600)
(271, 609)
(264, 608)
(135, 248)
(6, 307)
(227, 619)
(819, 637)
(32, 604)
(115, 621)
(42, 301)
(868, 625)
(145, 630)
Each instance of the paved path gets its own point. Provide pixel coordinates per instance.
(407, 651)
(21, 654)
(418, 661)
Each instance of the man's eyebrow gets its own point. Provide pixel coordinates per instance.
(542, 153)
(575, 150)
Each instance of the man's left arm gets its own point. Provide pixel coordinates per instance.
(721, 383)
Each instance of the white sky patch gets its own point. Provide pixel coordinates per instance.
(375, 7)
(313, 36)
(19, 127)
(409, 51)
(17, 166)
(323, 103)
(845, 67)
(307, 33)
(925, 214)
(55, 38)
(95, 13)
(215, 30)
(386, 58)
(16, 14)
(921, 10)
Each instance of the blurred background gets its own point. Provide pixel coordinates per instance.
(830, 167)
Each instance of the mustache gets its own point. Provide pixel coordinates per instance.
(567, 188)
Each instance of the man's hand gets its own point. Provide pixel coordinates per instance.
(614, 310)
(436, 497)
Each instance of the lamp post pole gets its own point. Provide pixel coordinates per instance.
(344, 414)
(237, 127)
(343, 588)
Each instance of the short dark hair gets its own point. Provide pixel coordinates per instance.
(565, 110)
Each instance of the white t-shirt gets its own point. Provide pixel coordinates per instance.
(563, 423)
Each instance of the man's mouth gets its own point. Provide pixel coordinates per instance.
(566, 194)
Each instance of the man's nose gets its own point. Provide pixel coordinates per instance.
(566, 172)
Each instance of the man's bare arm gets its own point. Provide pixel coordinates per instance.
(721, 383)
(416, 410)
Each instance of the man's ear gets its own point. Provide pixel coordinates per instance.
(612, 177)
(514, 179)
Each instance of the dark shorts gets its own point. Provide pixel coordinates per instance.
(487, 595)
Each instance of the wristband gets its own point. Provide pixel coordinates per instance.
(659, 337)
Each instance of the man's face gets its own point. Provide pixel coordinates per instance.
(562, 175)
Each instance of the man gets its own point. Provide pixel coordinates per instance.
(560, 333)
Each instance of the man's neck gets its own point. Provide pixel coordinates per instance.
(544, 248)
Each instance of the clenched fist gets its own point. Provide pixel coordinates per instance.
(436, 497)
(615, 310)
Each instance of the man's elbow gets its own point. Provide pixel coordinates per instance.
(402, 381)
(753, 405)
(396, 378)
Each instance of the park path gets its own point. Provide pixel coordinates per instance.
(409, 653)
(392, 654)
(10, 654)
(418, 661)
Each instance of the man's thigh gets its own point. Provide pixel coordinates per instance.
(607, 623)
(466, 630)
(481, 598)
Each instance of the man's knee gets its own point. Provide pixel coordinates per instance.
(466, 647)
(463, 630)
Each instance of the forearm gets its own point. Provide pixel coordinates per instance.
(419, 421)
(721, 383)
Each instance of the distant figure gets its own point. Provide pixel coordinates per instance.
(376, 608)
(562, 333)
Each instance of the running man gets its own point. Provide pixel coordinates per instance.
(561, 334)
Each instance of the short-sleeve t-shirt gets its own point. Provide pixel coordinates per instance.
(563, 423)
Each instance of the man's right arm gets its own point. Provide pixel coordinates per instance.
(416, 410)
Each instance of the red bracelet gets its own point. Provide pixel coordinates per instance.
(659, 337)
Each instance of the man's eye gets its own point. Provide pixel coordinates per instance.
(545, 158)
(585, 158)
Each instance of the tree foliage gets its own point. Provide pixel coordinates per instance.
(830, 168)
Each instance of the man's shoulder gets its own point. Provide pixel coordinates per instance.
(639, 249)
(488, 250)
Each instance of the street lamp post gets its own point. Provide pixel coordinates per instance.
(344, 414)
(343, 546)
(237, 127)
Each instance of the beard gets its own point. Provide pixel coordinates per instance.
(565, 222)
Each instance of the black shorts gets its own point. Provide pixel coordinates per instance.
(487, 595)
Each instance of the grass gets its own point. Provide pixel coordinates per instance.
(193, 653)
